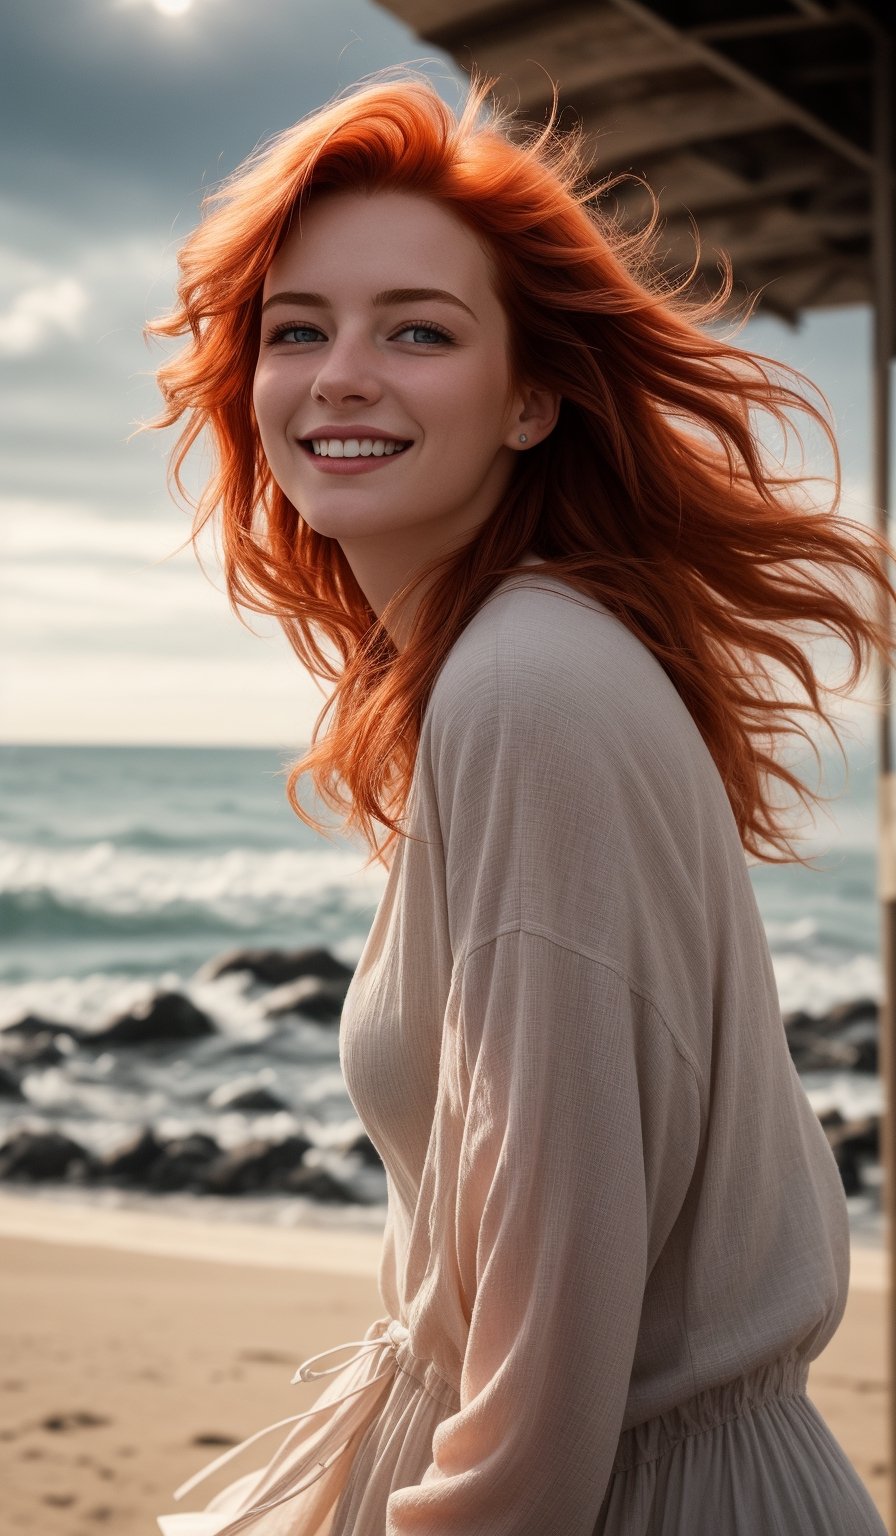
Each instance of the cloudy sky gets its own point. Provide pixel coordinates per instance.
(116, 115)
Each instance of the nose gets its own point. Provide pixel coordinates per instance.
(347, 371)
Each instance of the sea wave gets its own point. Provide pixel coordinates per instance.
(102, 881)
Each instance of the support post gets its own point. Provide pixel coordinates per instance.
(884, 276)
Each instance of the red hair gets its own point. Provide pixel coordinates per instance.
(652, 492)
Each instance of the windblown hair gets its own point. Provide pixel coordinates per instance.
(652, 493)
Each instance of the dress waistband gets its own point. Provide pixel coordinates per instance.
(390, 1334)
(786, 1376)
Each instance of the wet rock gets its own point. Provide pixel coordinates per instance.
(820, 1053)
(844, 1039)
(318, 1184)
(255, 1165)
(319, 1000)
(164, 1016)
(43, 1049)
(276, 966)
(852, 1143)
(863, 1038)
(245, 1093)
(860, 1010)
(848, 1165)
(863, 1137)
(32, 1024)
(131, 1161)
(35, 1155)
(365, 1149)
(182, 1162)
(9, 1085)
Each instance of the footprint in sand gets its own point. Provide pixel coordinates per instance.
(78, 1419)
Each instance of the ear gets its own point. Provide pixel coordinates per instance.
(535, 414)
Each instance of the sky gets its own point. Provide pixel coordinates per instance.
(117, 116)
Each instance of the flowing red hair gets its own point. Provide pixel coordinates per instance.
(652, 493)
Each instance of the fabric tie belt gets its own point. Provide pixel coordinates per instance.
(202, 1523)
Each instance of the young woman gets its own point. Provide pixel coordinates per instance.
(468, 435)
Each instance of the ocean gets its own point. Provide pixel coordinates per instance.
(126, 869)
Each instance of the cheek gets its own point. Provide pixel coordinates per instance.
(264, 397)
(272, 413)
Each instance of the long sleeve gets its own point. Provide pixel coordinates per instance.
(578, 1108)
(580, 1127)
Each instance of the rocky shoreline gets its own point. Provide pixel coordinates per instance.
(310, 985)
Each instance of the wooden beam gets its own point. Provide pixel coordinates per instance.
(804, 284)
(620, 132)
(770, 233)
(581, 46)
(695, 178)
(426, 17)
(756, 26)
(745, 80)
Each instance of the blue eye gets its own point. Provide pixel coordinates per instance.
(280, 332)
(289, 331)
(434, 330)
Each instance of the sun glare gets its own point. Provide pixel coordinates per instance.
(172, 7)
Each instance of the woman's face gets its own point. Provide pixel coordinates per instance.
(349, 351)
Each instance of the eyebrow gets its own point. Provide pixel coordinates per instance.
(382, 300)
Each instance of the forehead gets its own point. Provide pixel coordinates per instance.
(379, 239)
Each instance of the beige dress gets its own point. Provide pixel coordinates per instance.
(616, 1234)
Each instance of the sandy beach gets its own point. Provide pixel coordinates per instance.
(136, 1346)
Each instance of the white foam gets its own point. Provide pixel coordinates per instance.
(232, 884)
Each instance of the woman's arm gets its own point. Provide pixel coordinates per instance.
(580, 1133)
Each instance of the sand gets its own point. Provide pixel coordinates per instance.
(136, 1345)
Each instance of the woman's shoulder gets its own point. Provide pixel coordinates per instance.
(539, 655)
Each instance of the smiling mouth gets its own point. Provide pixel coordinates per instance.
(379, 449)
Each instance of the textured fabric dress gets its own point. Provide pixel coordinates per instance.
(616, 1234)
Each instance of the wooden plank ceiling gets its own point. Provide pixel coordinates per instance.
(750, 118)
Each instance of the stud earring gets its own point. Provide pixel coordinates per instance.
(523, 438)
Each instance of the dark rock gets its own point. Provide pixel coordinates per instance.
(835, 1021)
(182, 1162)
(818, 1053)
(245, 1094)
(798, 1020)
(832, 1121)
(254, 1165)
(849, 1168)
(852, 1142)
(38, 1155)
(863, 1036)
(44, 1049)
(863, 1137)
(31, 1024)
(860, 1009)
(318, 1000)
(368, 1153)
(84, 1170)
(164, 1016)
(133, 1158)
(318, 1184)
(275, 966)
(867, 1056)
(9, 1085)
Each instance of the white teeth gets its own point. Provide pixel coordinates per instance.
(353, 448)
